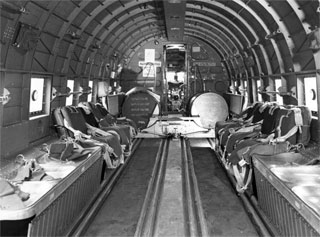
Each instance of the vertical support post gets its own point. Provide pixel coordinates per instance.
(187, 88)
(300, 91)
(271, 83)
(195, 80)
(155, 77)
(1, 110)
(164, 103)
(317, 59)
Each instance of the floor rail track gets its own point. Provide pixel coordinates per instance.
(84, 220)
(195, 223)
(148, 217)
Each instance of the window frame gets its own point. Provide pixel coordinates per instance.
(46, 96)
(303, 79)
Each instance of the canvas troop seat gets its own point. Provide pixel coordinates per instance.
(291, 130)
(58, 124)
(312, 149)
(69, 120)
(106, 119)
(253, 122)
(243, 118)
(255, 117)
(98, 113)
(302, 131)
(104, 114)
(222, 127)
(260, 130)
(92, 123)
(101, 121)
(263, 135)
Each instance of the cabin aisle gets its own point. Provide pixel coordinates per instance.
(171, 216)
(223, 210)
(120, 213)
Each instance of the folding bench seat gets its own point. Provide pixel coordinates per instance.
(107, 120)
(258, 131)
(312, 149)
(291, 131)
(243, 118)
(222, 127)
(58, 123)
(254, 123)
(94, 116)
(118, 121)
(76, 123)
(303, 133)
(92, 123)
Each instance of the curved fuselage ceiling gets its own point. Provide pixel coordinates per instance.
(226, 42)
(66, 36)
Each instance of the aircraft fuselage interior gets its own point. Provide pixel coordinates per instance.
(159, 118)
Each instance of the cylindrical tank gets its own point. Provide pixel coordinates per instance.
(209, 106)
(140, 104)
(189, 103)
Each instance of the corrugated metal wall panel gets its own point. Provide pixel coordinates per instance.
(285, 218)
(59, 216)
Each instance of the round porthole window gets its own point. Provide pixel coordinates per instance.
(35, 95)
(313, 94)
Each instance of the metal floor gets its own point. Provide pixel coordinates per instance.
(223, 210)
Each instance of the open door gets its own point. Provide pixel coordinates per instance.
(175, 77)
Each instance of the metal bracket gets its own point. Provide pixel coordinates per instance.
(282, 91)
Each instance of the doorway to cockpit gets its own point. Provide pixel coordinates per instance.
(175, 78)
